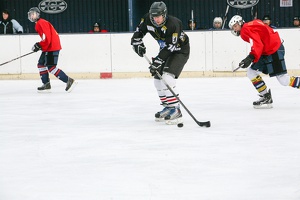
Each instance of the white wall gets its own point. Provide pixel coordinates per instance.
(211, 51)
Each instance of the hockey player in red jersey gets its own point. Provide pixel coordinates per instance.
(50, 46)
(266, 56)
(174, 53)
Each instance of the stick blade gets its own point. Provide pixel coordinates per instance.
(235, 65)
(205, 124)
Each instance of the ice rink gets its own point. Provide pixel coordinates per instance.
(101, 142)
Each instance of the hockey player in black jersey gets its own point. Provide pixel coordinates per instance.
(174, 53)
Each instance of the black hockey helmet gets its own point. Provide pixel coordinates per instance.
(158, 9)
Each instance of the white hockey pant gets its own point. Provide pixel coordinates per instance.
(165, 95)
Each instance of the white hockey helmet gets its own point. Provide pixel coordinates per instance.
(234, 20)
(33, 14)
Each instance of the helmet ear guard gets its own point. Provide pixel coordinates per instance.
(158, 9)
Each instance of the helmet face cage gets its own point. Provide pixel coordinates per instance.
(158, 9)
(234, 20)
(33, 14)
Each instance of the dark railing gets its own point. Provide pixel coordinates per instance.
(124, 15)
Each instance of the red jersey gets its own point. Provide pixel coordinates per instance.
(50, 39)
(263, 39)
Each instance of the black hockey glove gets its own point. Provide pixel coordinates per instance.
(247, 61)
(138, 46)
(36, 47)
(156, 65)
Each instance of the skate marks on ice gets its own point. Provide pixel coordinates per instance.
(89, 144)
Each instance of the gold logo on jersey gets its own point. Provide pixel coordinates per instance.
(174, 38)
(163, 29)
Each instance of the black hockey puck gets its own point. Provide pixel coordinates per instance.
(180, 125)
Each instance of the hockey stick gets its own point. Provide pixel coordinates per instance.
(206, 124)
(254, 14)
(254, 11)
(235, 66)
(236, 69)
(17, 58)
(225, 16)
(192, 18)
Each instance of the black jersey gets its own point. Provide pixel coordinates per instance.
(170, 36)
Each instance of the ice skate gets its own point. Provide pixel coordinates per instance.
(46, 88)
(265, 101)
(70, 84)
(160, 116)
(174, 116)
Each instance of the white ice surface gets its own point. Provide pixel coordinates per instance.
(101, 142)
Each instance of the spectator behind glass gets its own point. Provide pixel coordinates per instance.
(217, 23)
(268, 21)
(9, 25)
(296, 21)
(97, 29)
(192, 25)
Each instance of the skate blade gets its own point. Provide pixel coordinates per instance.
(174, 121)
(263, 106)
(159, 119)
(72, 86)
(44, 91)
